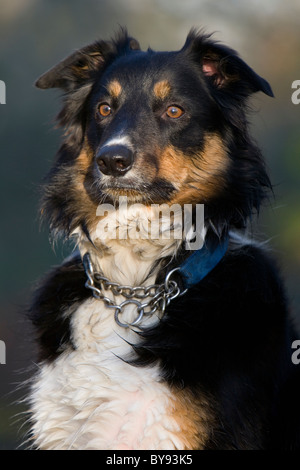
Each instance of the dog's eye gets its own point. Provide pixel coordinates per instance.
(104, 110)
(174, 112)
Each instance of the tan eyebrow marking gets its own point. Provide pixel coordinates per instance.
(114, 88)
(162, 89)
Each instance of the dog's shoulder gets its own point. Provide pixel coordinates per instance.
(249, 270)
(253, 266)
(249, 289)
(57, 295)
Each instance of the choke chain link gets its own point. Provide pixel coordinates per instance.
(158, 295)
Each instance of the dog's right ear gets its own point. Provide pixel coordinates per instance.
(77, 68)
(76, 75)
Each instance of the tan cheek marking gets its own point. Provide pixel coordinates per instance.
(114, 88)
(197, 178)
(86, 208)
(162, 89)
(194, 417)
(84, 159)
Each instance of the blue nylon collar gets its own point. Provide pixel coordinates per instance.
(202, 262)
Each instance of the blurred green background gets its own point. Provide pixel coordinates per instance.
(34, 36)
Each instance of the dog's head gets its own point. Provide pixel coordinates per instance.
(157, 127)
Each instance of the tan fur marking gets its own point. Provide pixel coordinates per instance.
(84, 203)
(194, 417)
(162, 89)
(114, 88)
(197, 178)
(84, 159)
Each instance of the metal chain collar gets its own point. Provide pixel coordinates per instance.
(158, 295)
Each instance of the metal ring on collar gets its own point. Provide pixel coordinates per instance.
(167, 281)
(120, 307)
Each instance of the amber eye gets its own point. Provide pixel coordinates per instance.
(174, 112)
(104, 110)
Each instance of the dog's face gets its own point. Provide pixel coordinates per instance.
(157, 127)
(153, 132)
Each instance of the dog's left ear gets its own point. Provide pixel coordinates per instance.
(223, 68)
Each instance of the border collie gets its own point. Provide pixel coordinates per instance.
(147, 339)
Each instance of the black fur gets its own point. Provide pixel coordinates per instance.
(229, 336)
(60, 292)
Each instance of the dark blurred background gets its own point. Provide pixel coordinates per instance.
(34, 36)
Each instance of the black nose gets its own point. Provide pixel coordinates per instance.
(114, 160)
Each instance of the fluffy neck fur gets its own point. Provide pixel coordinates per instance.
(129, 245)
(123, 248)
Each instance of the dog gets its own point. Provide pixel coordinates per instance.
(148, 343)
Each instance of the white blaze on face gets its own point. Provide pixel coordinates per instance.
(118, 140)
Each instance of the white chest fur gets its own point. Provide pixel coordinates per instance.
(89, 398)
